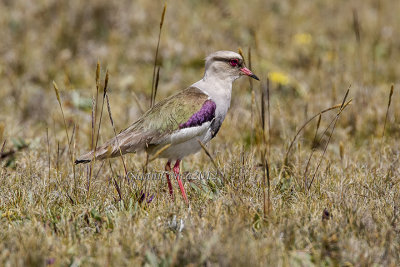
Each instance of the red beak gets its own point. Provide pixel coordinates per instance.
(248, 72)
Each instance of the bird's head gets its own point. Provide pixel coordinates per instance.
(226, 65)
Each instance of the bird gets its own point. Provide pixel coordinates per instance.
(177, 126)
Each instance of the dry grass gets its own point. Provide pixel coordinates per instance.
(51, 214)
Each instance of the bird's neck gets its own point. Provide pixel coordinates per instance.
(219, 90)
(216, 87)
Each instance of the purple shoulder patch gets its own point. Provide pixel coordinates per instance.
(206, 113)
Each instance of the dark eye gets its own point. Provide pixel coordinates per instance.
(234, 62)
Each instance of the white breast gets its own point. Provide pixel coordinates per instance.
(184, 142)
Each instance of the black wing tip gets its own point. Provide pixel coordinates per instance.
(81, 161)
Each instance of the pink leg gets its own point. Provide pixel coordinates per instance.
(176, 172)
(168, 169)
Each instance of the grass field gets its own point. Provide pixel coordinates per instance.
(332, 199)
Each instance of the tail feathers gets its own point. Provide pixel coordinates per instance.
(101, 153)
(106, 151)
(111, 149)
(79, 161)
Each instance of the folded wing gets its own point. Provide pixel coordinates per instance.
(189, 108)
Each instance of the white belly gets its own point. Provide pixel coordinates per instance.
(184, 142)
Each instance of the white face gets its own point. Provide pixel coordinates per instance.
(227, 65)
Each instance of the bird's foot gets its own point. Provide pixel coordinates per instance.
(168, 170)
(176, 172)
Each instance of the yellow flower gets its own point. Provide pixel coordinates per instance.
(302, 38)
(6, 214)
(278, 77)
(330, 56)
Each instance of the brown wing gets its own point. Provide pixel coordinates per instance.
(161, 120)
